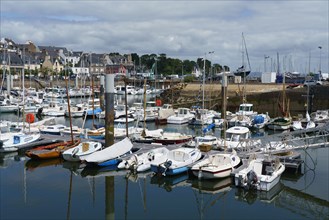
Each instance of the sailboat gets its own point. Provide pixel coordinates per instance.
(300, 123)
(243, 71)
(282, 122)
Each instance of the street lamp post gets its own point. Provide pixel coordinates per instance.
(204, 73)
(265, 62)
(320, 61)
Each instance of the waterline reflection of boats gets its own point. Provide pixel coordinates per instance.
(32, 164)
(212, 186)
(170, 182)
(250, 196)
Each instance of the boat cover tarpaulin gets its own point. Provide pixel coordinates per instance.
(111, 152)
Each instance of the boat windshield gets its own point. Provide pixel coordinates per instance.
(245, 108)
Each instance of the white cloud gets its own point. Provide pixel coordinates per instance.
(182, 29)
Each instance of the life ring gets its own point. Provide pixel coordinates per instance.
(30, 118)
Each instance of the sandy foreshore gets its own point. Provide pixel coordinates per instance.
(232, 89)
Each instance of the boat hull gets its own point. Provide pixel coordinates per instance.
(162, 170)
(215, 174)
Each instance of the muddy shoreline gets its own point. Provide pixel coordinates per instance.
(265, 97)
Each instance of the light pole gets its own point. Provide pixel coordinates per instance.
(265, 62)
(204, 73)
(211, 73)
(320, 61)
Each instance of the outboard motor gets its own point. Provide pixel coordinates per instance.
(251, 179)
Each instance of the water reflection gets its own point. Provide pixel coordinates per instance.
(6, 159)
(32, 164)
(211, 186)
(98, 171)
(170, 182)
(68, 187)
(250, 196)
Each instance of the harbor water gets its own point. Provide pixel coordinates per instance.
(56, 189)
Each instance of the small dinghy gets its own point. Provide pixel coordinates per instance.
(54, 150)
(80, 152)
(103, 157)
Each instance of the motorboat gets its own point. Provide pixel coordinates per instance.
(93, 133)
(243, 117)
(207, 140)
(6, 106)
(163, 113)
(146, 135)
(235, 137)
(240, 120)
(92, 107)
(142, 162)
(301, 124)
(121, 111)
(183, 116)
(80, 152)
(219, 165)
(75, 131)
(320, 116)
(259, 173)
(13, 141)
(149, 115)
(75, 112)
(202, 117)
(168, 137)
(52, 129)
(54, 109)
(121, 90)
(259, 121)
(176, 161)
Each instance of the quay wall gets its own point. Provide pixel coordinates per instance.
(265, 97)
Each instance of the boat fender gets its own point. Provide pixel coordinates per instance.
(150, 156)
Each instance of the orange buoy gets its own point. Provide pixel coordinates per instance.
(158, 102)
(30, 118)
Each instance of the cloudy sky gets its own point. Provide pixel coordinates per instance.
(180, 29)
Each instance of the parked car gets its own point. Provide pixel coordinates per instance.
(312, 82)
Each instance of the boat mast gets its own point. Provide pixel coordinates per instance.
(244, 47)
(92, 93)
(23, 87)
(68, 101)
(203, 78)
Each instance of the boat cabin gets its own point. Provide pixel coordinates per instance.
(237, 133)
